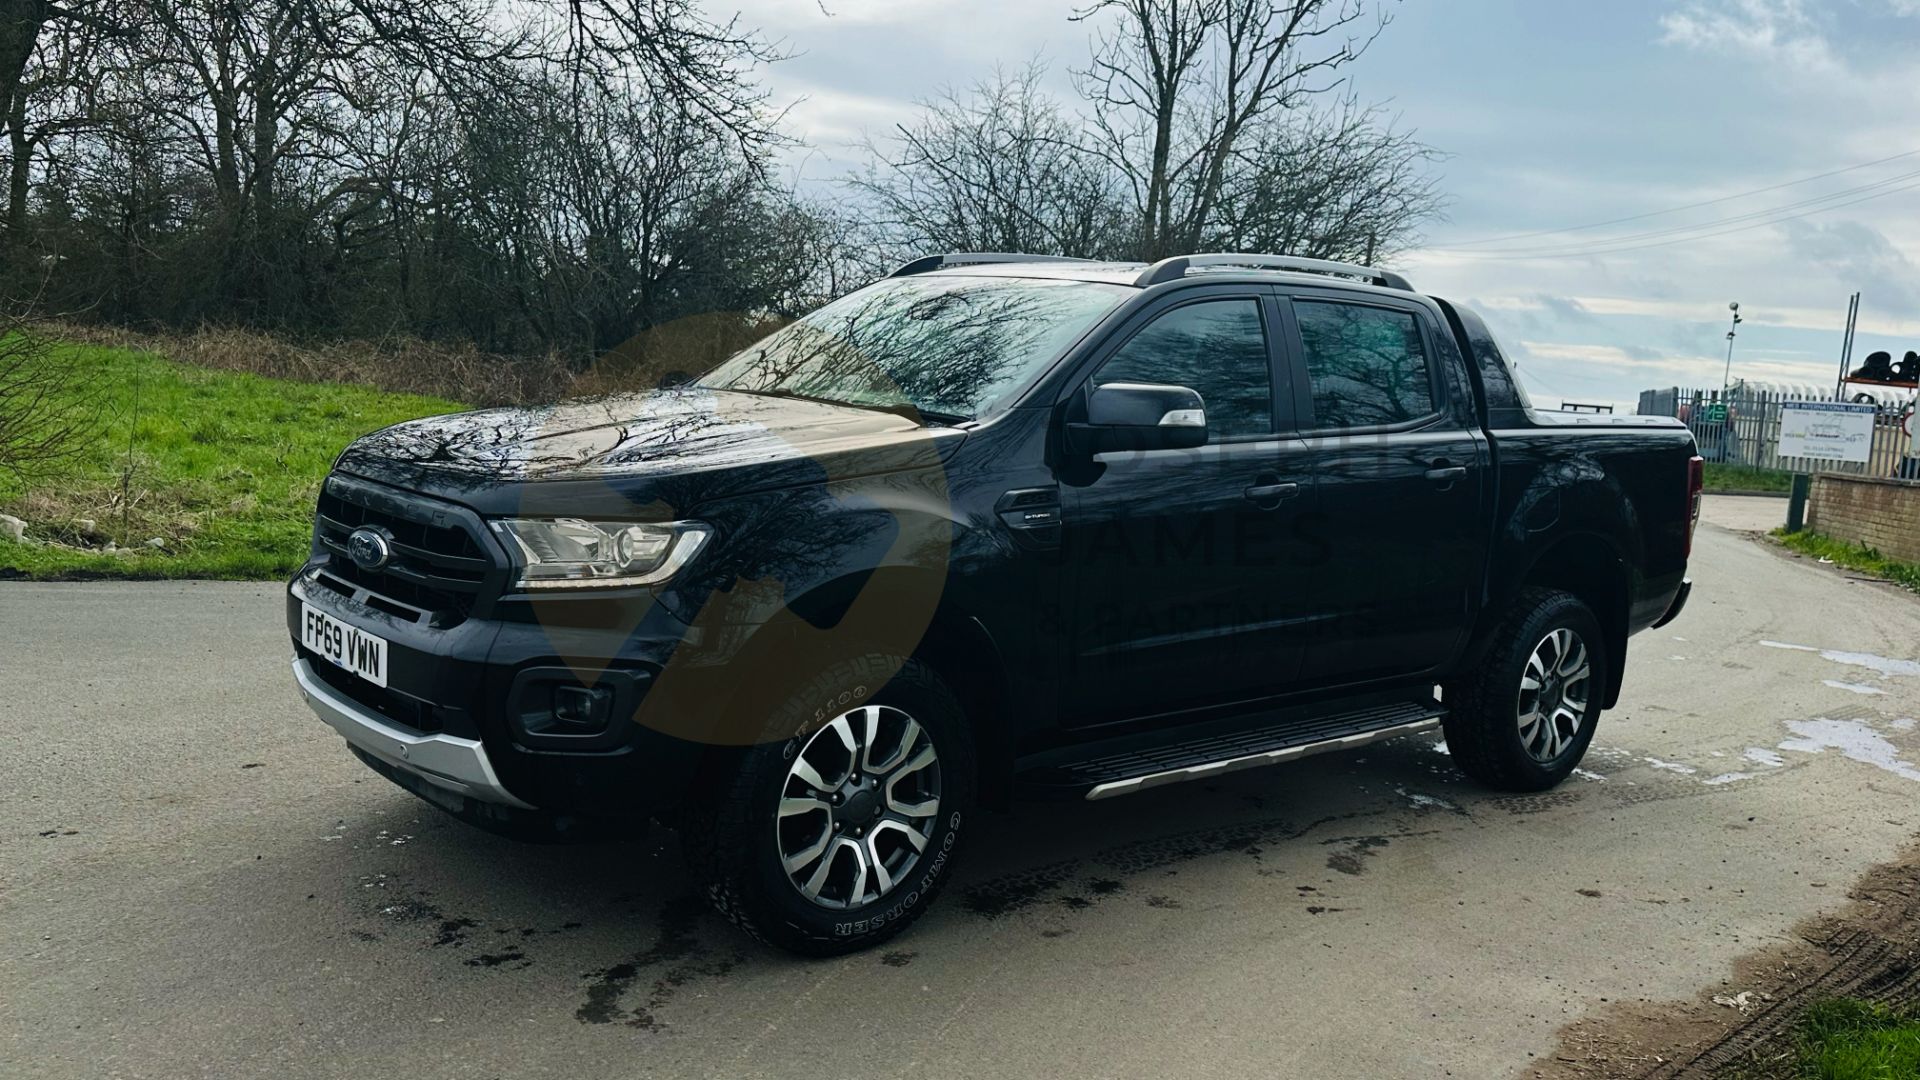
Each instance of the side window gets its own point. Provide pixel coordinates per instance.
(1217, 347)
(1368, 365)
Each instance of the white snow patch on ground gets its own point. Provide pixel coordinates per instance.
(1905, 723)
(1441, 748)
(1585, 774)
(1854, 739)
(1727, 778)
(1762, 756)
(1852, 687)
(1670, 766)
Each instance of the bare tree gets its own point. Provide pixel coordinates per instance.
(1004, 168)
(44, 415)
(703, 67)
(47, 59)
(1174, 85)
(1341, 183)
(1000, 168)
(563, 177)
(24, 24)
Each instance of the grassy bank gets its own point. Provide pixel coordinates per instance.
(221, 467)
(1746, 478)
(1844, 1040)
(1852, 557)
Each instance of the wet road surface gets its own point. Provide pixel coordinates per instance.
(196, 879)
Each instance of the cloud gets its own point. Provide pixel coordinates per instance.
(1875, 318)
(1779, 31)
(833, 119)
(1566, 307)
(1585, 364)
(846, 12)
(1860, 257)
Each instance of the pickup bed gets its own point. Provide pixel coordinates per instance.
(994, 526)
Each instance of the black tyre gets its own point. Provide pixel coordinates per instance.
(1523, 721)
(837, 836)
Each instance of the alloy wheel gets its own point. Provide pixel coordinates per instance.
(858, 806)
(1554, 694)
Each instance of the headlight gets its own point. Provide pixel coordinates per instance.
(570, 553)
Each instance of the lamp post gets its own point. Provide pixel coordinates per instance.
(1726, 378)
(1729, 447)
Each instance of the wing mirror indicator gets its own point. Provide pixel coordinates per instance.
(1140, 416)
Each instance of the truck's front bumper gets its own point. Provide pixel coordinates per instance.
(447, 762)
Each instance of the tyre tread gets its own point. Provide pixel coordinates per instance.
(1478, 723)
(717, 838)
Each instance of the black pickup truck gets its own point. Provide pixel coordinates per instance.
(995, 525)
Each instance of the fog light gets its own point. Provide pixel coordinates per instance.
(581, 710)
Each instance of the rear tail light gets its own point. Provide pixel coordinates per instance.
(1696, 483)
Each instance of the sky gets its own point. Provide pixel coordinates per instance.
(1553, 114)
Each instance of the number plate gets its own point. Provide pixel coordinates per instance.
(344, 646)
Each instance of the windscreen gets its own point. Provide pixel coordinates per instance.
(944, 344)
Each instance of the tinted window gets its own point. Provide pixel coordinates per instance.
(1368, 365)
(1217, 347)
(946, 344)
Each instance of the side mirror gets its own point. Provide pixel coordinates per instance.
(1140, 416)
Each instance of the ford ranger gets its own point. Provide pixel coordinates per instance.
(995, 525)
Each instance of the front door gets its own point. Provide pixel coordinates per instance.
(1179, 559)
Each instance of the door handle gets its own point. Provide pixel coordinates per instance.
(1447, 474)
(1268, 496)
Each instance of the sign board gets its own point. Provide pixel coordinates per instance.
(1826, 430)
(1715, 413)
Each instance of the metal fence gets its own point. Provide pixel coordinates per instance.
(1741, 426)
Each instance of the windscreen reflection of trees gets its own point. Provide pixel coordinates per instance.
(950, 345)
(1367, 364)
(1217, 348)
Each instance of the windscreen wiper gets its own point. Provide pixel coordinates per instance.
(923, 417)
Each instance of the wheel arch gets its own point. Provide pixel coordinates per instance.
(1587, 565)
(950, 639)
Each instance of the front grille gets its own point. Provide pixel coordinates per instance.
(440, 564)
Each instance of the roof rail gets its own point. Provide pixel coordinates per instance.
(1177, 267)
(974, 258)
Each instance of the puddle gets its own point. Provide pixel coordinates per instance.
(1884, 665)
(1854, 739)
(1426, 802)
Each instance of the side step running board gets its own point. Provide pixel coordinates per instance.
(1253, 761)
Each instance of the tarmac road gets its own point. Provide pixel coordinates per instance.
(197, 880)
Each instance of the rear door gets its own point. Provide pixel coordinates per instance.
(1399, 463)
(1181, 561)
